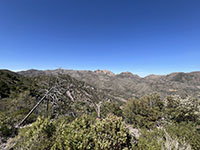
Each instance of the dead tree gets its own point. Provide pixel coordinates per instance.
(99, 110)
(58, 89)
(51, 95)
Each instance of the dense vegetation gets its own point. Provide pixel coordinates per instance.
(146, 123)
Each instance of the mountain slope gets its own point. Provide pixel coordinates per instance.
(11, 82)
(126, 84)
(69, 96)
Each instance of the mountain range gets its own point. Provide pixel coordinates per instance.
(127, 85)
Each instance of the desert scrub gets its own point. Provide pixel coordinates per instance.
(150, 140)
(145, 112)
(86, 133)
(37, 136)
(185, 133)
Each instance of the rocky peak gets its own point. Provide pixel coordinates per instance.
(107, 72)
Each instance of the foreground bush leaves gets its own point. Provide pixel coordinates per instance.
(82, 133)
(86, 133)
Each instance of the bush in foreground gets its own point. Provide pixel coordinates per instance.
(82, 133)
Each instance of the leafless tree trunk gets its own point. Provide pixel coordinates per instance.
(99, 110)
(31, 111)
(47, 108)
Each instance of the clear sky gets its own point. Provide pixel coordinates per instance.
(140, 36)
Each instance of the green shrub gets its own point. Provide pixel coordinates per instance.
(85, 133)
(37, 136)
(110, 133)
(144, 112)
(149, 140)
(185, 133)
(110, 107)
(7, 128)
(182, 110)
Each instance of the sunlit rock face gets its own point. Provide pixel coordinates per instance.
(107, 72)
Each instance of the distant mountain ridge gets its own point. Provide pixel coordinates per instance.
(127, 85)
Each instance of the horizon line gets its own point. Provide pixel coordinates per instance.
(115, 73)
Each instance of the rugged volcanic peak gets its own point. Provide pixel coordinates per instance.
(107, 72)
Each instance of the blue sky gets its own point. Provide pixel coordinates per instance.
(140, 36)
